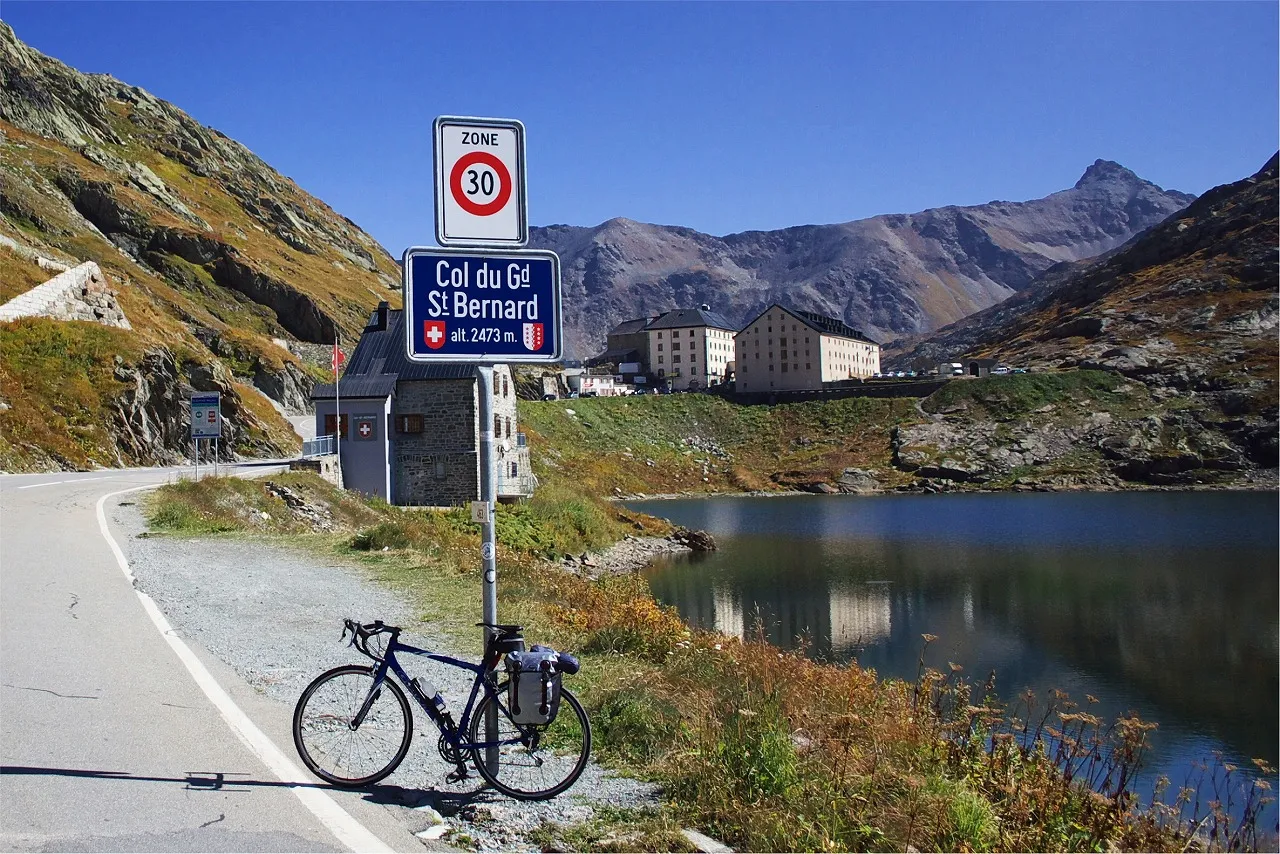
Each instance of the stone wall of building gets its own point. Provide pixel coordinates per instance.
(440, 466)
(80, 293)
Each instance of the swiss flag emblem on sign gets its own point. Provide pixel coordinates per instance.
(433, 332)
(533, 336)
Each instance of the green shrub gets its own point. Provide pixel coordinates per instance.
(634, 725)
(388, 535)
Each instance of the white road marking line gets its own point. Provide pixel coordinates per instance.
(34, 485)
(339, 822)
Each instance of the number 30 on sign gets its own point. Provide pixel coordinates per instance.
(480, 183)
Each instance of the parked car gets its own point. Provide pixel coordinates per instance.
(1001, 370)
(549, 396)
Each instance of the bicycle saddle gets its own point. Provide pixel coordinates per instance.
(504, 628)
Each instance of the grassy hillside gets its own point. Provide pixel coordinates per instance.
(1061, 429)
(226, 270)
(700, 443)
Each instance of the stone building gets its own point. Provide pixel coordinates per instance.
(782, 349)
(690, 348)
(411, 431)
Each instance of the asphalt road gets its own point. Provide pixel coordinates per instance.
(119, 736)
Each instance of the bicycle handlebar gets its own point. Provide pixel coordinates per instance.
(362, 634)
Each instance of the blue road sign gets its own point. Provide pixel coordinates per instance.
(482, 306)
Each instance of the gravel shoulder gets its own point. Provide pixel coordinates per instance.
(273, 615)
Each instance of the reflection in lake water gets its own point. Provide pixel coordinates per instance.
(1164, 603)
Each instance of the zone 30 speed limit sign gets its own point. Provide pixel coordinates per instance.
(480, 187)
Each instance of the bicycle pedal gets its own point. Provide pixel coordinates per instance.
(457, 776)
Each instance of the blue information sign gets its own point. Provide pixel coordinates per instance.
(482, 306)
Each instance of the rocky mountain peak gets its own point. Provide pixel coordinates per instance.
(1109, 172)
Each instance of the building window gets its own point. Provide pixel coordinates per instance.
(659, 362)
(770, 328)
(506, 389)
(497, 427)
(515, 470)
(330, 425)
(693, 357)
(782, 341)
(784, 367)
(439, 468)
(659, 348)
(508, 428)
(690, 333)
(757, 357)
(675, 345)
(408, 423)
(807, 366)
(806, 339)
(771, 367)
(659, 334)
(675, 359)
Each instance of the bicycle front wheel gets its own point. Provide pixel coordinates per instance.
(336, 751)
(533, 763)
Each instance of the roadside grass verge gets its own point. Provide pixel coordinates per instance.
(762, 748)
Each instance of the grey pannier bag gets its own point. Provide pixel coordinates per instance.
(533, 692)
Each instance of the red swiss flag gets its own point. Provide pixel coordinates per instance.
(433, 332)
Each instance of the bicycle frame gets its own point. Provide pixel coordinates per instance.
(452, 733)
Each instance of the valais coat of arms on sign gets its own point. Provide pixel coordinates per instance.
(533, 336)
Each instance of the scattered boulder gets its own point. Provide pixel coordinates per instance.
(699, 541)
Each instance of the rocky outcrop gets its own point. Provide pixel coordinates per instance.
(151, 420)
(888, 275)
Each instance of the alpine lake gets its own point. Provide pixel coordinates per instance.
(1163, 603)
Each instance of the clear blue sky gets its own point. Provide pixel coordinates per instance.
(722, 117)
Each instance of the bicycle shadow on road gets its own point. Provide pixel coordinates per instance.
(444, 802)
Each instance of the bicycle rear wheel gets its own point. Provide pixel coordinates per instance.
(329, 746)
(534, 762)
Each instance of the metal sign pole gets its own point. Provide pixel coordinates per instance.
(488, 547)
(196, 443)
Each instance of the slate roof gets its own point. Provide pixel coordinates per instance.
(379, 361)
(630, 327)
(362, 386)
(822, 323)
(830, 325)
(692, 317)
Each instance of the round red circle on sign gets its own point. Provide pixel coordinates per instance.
(499, 170)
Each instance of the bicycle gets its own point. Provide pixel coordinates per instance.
(353, 725)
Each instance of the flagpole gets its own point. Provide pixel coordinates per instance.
(337, 408)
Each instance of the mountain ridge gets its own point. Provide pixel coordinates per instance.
(891, 273)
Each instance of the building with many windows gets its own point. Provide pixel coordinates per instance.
(690, 348)
(787, 350)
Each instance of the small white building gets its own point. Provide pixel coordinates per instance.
(787, 350)
(690, 348)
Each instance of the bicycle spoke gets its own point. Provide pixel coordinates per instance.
(328, 744)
